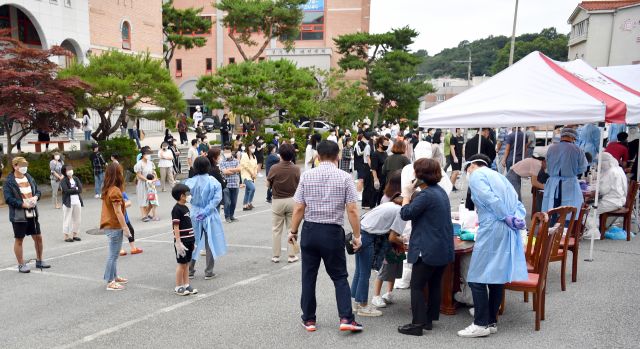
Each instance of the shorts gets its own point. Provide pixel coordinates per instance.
(22, 229)
(189, 245)
(454, 166)
(390, 271)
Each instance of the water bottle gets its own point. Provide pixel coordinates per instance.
(462, 210)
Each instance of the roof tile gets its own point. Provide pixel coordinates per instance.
(606, 5)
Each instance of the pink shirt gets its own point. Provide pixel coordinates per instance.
(527, 168)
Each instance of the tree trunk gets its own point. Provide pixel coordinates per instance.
(101, 133)
(238, 46)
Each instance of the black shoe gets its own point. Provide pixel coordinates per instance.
(234, 219)
(428, 326)
(68, 240)
(75, 238)
(411, 329)
(246, 209)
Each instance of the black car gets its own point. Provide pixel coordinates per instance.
(210, 123)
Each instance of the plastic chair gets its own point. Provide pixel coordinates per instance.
(560, 254)
(624, 212)
(537, 281)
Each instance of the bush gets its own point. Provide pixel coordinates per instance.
(124, 146)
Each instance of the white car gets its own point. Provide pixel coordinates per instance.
(320, 126)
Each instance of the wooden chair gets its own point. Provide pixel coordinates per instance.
(561, 214)
(537, 281)
(624, 212)
(572, 239)
(538, 230)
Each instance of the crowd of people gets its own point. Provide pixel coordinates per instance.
(398, 177)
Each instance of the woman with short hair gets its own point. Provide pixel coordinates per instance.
(113, 224)
(249, 172)
(72, 204)
(55, 167)
(430, 244)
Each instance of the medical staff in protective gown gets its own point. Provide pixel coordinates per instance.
(565, 161)
(206, 194)
(498, 254)
(613, 186)
(589, 140)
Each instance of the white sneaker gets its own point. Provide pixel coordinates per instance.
(474, 331)
(388, 298)
(493, 328)
(260, 175)
(97, 196)
(378, 302)
(472, 311)
(369, 311)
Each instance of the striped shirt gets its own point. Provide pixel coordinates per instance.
(325, 190)
(25, 187)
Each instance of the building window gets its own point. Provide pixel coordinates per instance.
(232, 60)
(126, 35)
(178, 67)
(5, 17)
(312, 27)
(580, 29)
(440, 98)
(208, 65)
(27, 33)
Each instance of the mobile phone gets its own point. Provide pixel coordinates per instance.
(417, 182)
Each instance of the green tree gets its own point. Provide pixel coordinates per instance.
(548, 41)
(178, 26)
(267, 19)
(388, 65)
(260, 89)
(120, 80)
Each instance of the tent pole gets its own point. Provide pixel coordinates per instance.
(546, 135)
(479, 138)
(515, 146)
(595, 203)
(524, 143)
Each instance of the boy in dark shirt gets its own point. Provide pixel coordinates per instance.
(183, 238)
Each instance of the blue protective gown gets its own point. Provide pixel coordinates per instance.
(589, 140)
(565, 161)
(614, 129)
(498, 254)
(206, 193)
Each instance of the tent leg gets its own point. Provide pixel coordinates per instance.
(595, 204)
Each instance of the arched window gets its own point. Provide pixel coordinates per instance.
(126, 35)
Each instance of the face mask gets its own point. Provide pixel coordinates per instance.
(350, 143)
(56, 157)
(252, 149)
(227, 155)
(22, 170)
(165, 148)
(188, 199)
(148, 156)
(385, 147)
(70, 173)
(242, 148)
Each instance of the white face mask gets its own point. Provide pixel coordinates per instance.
(147, 156)
(242, 148)
(188, 199)
(253, 150)
(227, 155)
(56, 157)
(165, 148)
(70, 173)
(22, 170)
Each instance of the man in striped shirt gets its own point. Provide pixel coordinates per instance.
(21, 194)
(321, 198)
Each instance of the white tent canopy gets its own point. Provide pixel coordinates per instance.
(596, 79)
(534, 91)
(625, 75)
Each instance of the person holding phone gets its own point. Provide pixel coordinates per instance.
(322, 237)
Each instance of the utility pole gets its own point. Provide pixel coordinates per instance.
(468, 61)
(513, 35)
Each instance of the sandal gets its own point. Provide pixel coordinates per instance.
(68, 240)
(114, 286)
(121, 281)
(136, 251)
(123, 252)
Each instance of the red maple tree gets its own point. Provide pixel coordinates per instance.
(31, 93)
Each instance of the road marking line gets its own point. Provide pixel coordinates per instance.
(228, 245)
(173, 307)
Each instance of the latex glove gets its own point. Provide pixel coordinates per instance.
(200, 217)
(376, 184)
(180, 249)
(514, 223)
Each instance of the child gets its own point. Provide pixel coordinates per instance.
(152, 197)
(390, 271)
(183, 238)
(131, 238)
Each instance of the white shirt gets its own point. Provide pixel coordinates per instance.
(408, 175)
(165, 162)
(75, 199)
(332, 138)
(383, 218)
(197, 116)
(86, 122)
(192, 154)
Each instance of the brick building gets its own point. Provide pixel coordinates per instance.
(323, 20)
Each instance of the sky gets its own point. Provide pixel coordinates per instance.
(444, 23)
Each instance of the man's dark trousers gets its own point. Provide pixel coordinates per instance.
(324, 242)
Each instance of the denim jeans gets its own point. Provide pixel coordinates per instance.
(324, 242)
(87, 135)
(249, 190)
(115, 243)
(133, 134)
(99, 179)
(230, 198)
(362, 274)
(486, 303)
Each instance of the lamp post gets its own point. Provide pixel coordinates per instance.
(513, 34)
(468, 61)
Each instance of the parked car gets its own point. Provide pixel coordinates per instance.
(319, 126)
(210, 123)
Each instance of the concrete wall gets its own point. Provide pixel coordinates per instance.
(145, 17)
(57, 22)
(625, 46)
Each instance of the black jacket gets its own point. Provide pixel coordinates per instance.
(486, 147)
(67, 190)
(12, 195)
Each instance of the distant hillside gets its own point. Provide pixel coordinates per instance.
(490, 55)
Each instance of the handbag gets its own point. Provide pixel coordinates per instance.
(348, 243)
(151, 196)
(21, 215)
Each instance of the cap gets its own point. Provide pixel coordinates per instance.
(19, 160)
(539, 153)
(569, 132)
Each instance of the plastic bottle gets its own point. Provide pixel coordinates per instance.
(462, 211)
